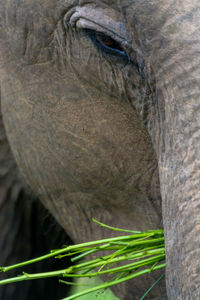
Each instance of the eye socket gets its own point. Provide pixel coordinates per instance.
(106, 43)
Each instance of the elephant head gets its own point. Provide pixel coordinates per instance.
(101, 104)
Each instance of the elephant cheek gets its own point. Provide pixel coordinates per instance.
(93, 147)
(87, 150)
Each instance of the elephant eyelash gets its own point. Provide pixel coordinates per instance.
(106, 44)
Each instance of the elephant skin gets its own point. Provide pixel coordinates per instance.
(100, 103)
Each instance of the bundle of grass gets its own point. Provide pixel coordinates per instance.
(128, 256)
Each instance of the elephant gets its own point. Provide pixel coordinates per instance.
(100, 102)
(26, 231)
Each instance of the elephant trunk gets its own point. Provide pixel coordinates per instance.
(178, 150)
(180, 188)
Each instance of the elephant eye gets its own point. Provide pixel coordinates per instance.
(106, 43)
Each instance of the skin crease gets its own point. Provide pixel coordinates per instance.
(104, 135)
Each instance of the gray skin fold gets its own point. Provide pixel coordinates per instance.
(109, 128)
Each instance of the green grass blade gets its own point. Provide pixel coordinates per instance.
(148, 291)
(109, 284)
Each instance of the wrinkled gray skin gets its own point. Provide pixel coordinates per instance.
(107, 135)
(26, 232)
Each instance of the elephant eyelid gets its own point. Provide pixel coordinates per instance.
(105, 38)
